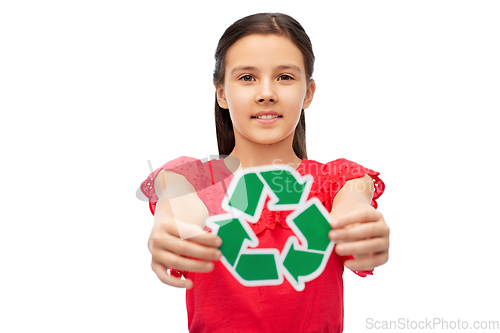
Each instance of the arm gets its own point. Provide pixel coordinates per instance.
(358, 229)
(178, 199)
(177, 232)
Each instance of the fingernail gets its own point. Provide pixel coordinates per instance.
(218, 241)
(333, 235)
(218, 254)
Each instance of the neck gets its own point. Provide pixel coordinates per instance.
(252, 154)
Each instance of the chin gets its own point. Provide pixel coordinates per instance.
(270, 141)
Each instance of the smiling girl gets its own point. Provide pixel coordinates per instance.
(263, 81)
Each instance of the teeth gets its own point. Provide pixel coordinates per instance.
(268, 116)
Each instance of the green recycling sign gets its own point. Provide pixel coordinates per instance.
(309, 221)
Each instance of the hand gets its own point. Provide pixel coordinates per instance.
(167, 249)
(359, 230)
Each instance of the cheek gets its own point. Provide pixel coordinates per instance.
(238, 98)
(293, 98)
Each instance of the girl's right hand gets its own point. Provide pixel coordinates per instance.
(168, 250)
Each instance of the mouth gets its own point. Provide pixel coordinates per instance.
(267, 116)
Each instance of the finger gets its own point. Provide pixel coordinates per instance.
(368, 263)
(365, 213)
(179, 263)
(187, 248)
(359, 231)
(192, 232)
(368, 246)
(207, 239)
(164, 277)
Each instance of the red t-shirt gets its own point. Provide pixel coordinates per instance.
(219, 303)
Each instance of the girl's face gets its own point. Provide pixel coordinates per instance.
(264, 73)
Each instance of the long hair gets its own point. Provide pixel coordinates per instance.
(264, 24)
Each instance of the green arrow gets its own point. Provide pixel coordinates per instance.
(247, 194)
(284, 185)
(301, 263)
(315, 227)
(232, 234)
(257, 267)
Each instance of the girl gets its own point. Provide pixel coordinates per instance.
(264, 65)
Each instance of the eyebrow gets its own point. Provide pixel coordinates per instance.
(281, 67)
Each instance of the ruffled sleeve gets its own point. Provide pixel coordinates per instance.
(191, 168)
(341, 171)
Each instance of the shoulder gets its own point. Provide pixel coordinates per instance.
(177, 195)
(339, 172)
(174, 183)
(180, 175)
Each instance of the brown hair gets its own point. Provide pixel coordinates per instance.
(264, 24)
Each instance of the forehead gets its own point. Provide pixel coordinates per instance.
(263, 51)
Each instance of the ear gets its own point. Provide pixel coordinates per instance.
(309, 94)
(221, 97)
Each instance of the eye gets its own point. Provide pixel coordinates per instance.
(244, 77)
(287, 77)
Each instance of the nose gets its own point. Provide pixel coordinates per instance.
(266, 93)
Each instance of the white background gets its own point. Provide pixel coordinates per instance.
(91, 90)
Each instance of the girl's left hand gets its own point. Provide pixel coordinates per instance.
(359, 230)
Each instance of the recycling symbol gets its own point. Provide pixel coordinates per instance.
(304, 255)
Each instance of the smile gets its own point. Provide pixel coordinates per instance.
(268, 117)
